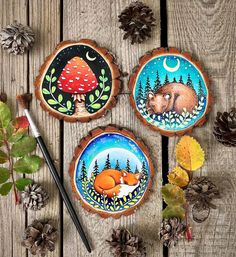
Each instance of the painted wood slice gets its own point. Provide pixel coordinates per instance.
(170, 91)
(79, 81)
(111, 172)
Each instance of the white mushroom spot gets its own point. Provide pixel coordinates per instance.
(75, 66)
(69, 88)
(77, 78)
(59, 82)
(63, 69)
(83, 66)
(63, 78)
(81, 89)
(78, 72)
(82, 85)
(66, 85)
(93, 87)
(93, 81)
(85, 80)
(69, 62)
(71, 80)
(86, 75)
(67, 72)
(96, 84)
(68, 68)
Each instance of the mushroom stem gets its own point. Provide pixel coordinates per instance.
(80, 109)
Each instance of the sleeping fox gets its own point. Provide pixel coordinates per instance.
(109, 182)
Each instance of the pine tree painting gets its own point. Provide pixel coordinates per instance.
(189, 82)
(148, 88)
(174, 80)
(117, 167)
(140, 92)
(181, 79)
(83, 176)
(136, 169)
(96, 168)
(157, 83)
(107, 163)
(128, 169)
(200, 90)
(166, 80)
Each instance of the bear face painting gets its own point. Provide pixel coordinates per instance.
(170, 92)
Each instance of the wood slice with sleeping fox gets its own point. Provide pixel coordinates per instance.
(112, 182)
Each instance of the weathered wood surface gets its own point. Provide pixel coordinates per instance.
(207, 29)
(98, 20)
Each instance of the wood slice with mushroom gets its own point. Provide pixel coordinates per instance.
(79, 81)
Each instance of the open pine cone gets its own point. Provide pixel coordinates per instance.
(200, 192)
(137, 21)
(17, 38)
(225, 127)
(40, 237)
(124, 244)
(34, 197)
(171, 231)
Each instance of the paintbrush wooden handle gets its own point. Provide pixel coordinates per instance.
(62, 190)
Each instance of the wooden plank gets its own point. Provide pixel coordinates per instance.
(207, 30)
(13, 77)
(44, 18)
(98, 20)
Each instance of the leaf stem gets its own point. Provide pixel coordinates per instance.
(103, 85)
(50, 89)
(10, 160)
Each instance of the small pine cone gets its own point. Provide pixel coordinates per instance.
(200, 192)
(124, 244)
(172, 230)
(34, 197)
(225, 127)
(137, 21)
(17, 38)
(40, 237)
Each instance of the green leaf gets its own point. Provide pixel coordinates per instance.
(48, 78)
(52, 102)
(23, 146)
(53, 71)
(4, 175)
(9, 130)
(102, 71)
(16, 137)
(21, 183)
(5, 115)
(173, 211)
(62, 109)
(173, 195)
(28, 164)
(101, 78)
(96, 106)
(97, 92)
(104, 97)
(53, 89)
(54, 79)
(3, 157)
(91, 98)
(6, 188)
(105, 79)
(60, 98)
(101, 85)
(45, 91)
(68, 105)
(107, 88)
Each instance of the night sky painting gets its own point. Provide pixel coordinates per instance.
(178, 73)
(93, 160)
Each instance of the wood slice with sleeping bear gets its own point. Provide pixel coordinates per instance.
(172, 97)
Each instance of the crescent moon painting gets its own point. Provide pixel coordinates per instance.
(90, 58)
(171, 69)
(170, 92)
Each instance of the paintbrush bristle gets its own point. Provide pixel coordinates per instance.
(24, 100)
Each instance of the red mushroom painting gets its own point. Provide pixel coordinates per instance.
(78, 79)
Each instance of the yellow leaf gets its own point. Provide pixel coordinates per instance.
(178, 177)
(189, 153)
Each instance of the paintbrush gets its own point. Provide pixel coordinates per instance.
(23, 101)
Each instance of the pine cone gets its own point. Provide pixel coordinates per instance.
(200, 192)
(225, 127)
(34, 197)
(124, 244)
(16, 38)
(137, 21)
(171, 231)
(40, 237)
